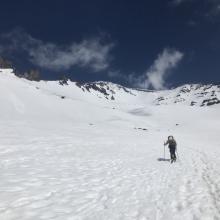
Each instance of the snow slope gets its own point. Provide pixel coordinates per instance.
(71, 154)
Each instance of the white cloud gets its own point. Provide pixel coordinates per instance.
(90, 53)
(155, 76)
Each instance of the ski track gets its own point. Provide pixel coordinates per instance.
(52, 178)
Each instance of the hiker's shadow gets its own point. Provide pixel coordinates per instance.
(163, 159)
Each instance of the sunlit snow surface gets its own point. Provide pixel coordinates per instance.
(85, 157)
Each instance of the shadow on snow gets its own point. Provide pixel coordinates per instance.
(163, 159)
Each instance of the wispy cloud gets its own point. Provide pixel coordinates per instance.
(214, 8)
(192, 23)
(209, 9)
(89, 53)
(155, 76)
(178, 2)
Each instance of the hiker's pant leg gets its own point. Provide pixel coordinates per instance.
(172, 152)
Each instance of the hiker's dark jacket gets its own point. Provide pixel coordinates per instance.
(171, 143)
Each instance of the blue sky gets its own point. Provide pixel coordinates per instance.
(148, 44)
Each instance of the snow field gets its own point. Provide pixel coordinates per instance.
(80, 159)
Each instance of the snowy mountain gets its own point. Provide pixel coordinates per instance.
(200, 95)
(194, 94)
(95, 151)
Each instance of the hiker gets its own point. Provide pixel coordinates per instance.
(172, 146)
